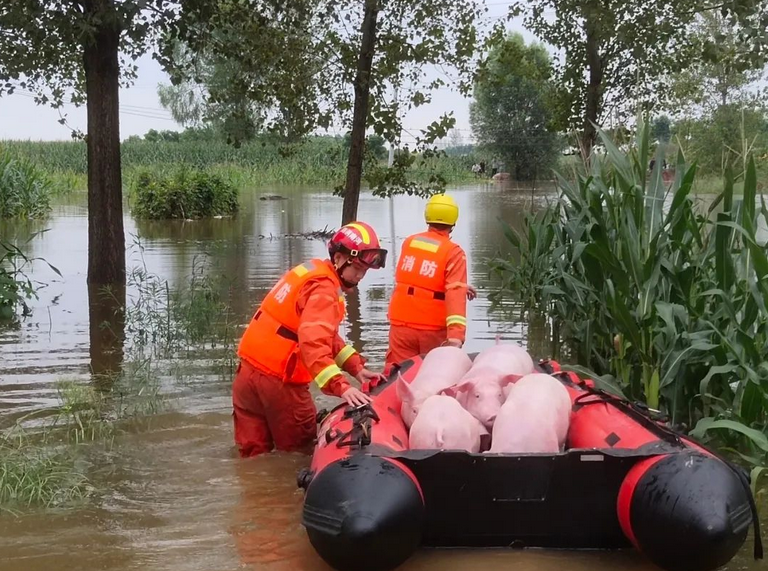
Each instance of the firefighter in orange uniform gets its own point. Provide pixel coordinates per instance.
(293, 339)
(429, 304)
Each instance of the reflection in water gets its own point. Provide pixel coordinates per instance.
(173, 495)
(354, 333)
(106, 326)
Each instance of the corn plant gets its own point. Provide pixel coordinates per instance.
(653, 298)
(24, 190)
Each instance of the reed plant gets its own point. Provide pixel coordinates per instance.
(653, 298)
(42, 457)
(16, 287)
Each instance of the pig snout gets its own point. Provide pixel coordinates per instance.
(482, 398)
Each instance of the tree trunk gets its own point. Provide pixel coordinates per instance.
(106, 316)
(360, 116)
(595, 85)
(106, 238)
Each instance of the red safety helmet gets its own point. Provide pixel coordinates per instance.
(360, 242)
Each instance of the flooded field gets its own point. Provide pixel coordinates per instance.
(169, 491)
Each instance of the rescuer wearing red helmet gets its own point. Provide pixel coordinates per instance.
(293, 339)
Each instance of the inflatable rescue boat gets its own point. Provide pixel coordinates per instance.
(626, 479)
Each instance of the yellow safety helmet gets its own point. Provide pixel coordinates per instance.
(441, 209)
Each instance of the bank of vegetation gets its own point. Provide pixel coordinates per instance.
(319, 161)
(652, 297)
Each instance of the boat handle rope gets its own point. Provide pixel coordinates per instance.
(360, 433)
(636, 410)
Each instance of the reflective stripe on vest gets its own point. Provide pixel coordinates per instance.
(419, 295)
(271, 342)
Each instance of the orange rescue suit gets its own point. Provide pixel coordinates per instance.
(430, 285)
(273, 341)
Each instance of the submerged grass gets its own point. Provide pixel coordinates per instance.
(44, 463)
(34, 475)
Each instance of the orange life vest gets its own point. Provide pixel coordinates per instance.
(271, 341)
(419, 296)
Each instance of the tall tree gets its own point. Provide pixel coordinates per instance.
(70, 50)
(324, 64)
(511, 114)
(617, 53)
(720, 76)
(191, 104)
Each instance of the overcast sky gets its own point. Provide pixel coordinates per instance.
(140, 109)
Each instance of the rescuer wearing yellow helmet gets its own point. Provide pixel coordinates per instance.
(428, 306)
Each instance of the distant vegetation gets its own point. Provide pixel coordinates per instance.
(261, 161)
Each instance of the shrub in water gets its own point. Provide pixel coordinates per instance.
(185, 194)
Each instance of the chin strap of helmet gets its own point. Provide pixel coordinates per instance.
(346, 283)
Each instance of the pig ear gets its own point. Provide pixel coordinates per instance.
(509, 379)
(404, 392)
(454, 391)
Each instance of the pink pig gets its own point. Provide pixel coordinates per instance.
(534, 418)
(481, 390)
(442, 424)
(482, 397)
(441, 368)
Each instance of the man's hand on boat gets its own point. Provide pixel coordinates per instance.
(355, 397)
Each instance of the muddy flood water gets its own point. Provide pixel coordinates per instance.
(171, 493)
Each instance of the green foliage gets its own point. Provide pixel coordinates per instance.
(185, 194)
(314, 87)
(43, 42)
(31, 475)
(511, 114)
(24, 190)
(722, 139)
(16, 287)
(375, 146)
(162, 321)
(721, 76)
(654, 298)
(619, 54)
(190, 102)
